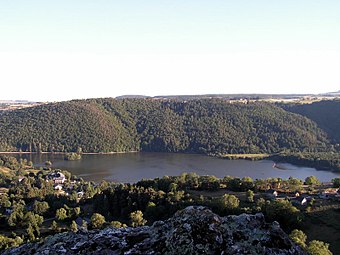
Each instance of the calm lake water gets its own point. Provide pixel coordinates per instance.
(132, 167)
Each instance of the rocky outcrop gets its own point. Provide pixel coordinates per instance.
(194, 230)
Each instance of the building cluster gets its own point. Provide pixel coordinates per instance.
(59, 180)
(298, 198)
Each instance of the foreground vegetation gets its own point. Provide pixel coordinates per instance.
(38, 202)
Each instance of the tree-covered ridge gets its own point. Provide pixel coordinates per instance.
(200, 126)
(324, 113)
(65, 127)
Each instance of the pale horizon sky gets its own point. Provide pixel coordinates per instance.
(73, 49)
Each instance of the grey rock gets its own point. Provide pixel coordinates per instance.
(194, 230)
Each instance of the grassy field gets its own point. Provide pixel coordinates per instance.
(245, 156)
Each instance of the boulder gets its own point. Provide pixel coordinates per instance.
(194, 230)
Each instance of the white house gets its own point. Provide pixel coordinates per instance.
(57, 177)
(300, 201)
(271, 193)
(58, 187)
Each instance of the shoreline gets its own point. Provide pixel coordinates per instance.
(61, 153)
(277, 166)
(275, 157)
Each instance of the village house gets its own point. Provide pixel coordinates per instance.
(57, 177)
(271, 193)
(80, 194)
(58, 187)
(297, 194)
(299, 201)
(328, 193)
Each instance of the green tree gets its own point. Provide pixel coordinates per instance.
(30, 232)
(316, 247)
(4, 201)
(225, 204)
(97, 220)
(48, 163)
(294, 184)
(76, 211)
(312, 180)
(336, 182)
(136, 219)
(40, 207)
(117, 224)
(74, 226)
(84, 224)
(5, 242)
(247, 183)
(33, 220)
(260, 203)
(72, 156)
(54, 226)
(298, 237)
(283, 212)
(230, 201)
(250, 196)
(61, 214)
(173, 187)
(17, 214)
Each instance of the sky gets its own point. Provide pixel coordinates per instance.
(73, 49)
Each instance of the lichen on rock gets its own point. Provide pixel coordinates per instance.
(194, 230)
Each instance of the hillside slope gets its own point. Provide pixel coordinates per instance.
(200, 126)
(325, 113)
(65, 126)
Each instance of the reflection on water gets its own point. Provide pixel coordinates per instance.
(131, 167)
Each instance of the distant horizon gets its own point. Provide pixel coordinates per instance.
(43, 98)
(178, 95)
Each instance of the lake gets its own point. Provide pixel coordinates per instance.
(132, 167)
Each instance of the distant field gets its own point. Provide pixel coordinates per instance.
(253, 155)
(7, 106)
(245, 156)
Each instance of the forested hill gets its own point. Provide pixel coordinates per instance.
(325, 113)
(200, 126)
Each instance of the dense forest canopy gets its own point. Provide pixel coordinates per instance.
(199, 126)
(325, 113)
